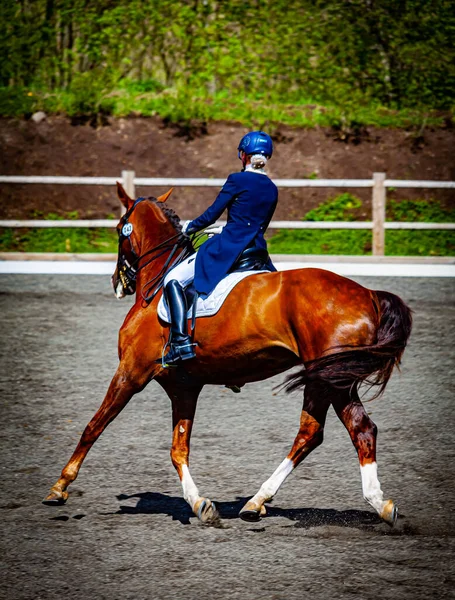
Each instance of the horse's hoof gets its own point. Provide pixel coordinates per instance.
(250, 512)
(55, 498)
(207, 513)
(252, 516)
(389, 513)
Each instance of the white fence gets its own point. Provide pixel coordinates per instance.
(379, 184)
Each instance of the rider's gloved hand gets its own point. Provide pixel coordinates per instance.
(213, 230)
(186, 228)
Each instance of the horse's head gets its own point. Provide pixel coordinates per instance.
(148, 230)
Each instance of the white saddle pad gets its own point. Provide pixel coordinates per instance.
(207, 307)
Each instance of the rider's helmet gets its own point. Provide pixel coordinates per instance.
(256, 142)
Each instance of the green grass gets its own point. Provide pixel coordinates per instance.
(76, 239)
(190, 105)
(344, 207)
(321, 241)
(65, 239)
(68, 239)
(359, 242)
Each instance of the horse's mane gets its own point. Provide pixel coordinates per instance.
(169, 213)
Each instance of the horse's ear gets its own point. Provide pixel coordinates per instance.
(165, 196)
(123, 196)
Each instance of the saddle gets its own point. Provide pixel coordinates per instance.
(207, 307)
(251, 259)
(250, 262)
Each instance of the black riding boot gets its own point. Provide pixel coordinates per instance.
(180, 344)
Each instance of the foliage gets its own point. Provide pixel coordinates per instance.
(354, 242)
(75, 239)
(340, 208)
(65, 239)
(325, 241)
(420, 243)
(358, 242)
(423, 211)
(180, 107)
(321, 63)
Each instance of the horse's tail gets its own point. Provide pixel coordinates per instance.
(372, 364)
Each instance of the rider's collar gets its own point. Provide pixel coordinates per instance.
(250, 169)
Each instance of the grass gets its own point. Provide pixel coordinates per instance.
(65, 239)
(76, 240)
(344, 207)
(188, 105)
(359, 242)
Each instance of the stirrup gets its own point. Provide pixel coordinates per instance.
(177, 354)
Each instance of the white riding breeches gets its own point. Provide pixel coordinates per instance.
(184, 272)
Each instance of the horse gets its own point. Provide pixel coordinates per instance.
(340, 334)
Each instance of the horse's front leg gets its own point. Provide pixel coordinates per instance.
(123, 386)
(363, 432)
(184, 401)
(315, 406)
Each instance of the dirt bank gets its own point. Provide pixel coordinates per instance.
(152, 148)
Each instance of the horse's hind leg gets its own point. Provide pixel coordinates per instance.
(184, 400)
(118, 395)
(363, 434)
(315, 406)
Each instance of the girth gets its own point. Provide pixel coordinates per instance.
(251, 259)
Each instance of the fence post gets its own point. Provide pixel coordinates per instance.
(128, 185)
(379, 198)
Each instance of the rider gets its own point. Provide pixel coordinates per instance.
(250, 198)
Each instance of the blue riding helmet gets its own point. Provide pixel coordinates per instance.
(256, 142)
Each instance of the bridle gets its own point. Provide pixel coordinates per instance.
(127, 271)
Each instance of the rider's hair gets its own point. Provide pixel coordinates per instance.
(258, 161)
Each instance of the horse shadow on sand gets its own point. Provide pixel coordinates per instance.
(155, 503)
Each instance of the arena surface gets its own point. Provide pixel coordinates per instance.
(126, 532)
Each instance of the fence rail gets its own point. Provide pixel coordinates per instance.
(379, 184)
(208, 182)
(111, 223)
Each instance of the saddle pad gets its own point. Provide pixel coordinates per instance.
(207, 307)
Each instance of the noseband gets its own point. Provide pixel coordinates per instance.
(128, 272)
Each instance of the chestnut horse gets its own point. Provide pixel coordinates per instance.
(341, 334)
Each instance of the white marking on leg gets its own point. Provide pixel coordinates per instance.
(190, 491)
(270, 487)
(371, 487)
(119, 291)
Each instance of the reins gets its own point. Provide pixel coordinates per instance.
(152, 287)
(128, 272)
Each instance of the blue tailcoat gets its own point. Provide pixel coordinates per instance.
(250, 199)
